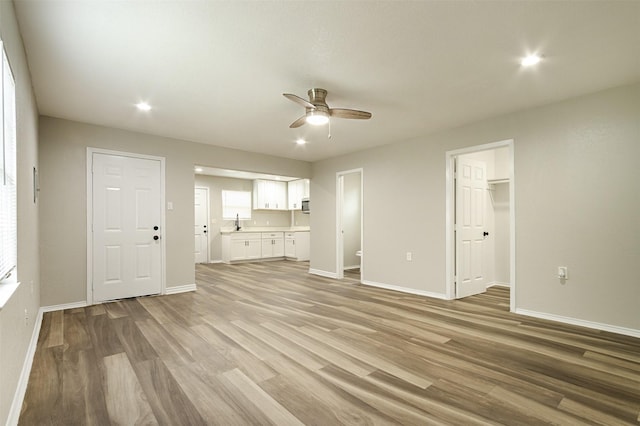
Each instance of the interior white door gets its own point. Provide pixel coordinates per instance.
(127, 213)
(471, 188)
(201, 210)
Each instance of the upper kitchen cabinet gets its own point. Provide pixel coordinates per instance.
(298, 189)
(269, 195)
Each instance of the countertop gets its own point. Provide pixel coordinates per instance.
(265, 229)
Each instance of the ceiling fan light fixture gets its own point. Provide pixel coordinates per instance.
(317, 117)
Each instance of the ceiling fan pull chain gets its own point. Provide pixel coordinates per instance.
(329, 135)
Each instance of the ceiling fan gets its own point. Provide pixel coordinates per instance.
(318, 112)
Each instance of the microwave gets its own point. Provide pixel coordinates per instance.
(306, 208)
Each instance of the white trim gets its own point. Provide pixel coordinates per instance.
(450, 267)
(322, 273)
(181, 289)
(405, 290)
(64, 306)
(339, 235)
(89, 242)
(217, 261)
(498, 284)
(23, 380)
(583, 323)
(346, 268)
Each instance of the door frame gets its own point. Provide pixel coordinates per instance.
(339, 234)
(90, 152)
(450, 262)
(208, 220)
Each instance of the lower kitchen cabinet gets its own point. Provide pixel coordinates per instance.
(242, 246)
(272, 244)
(296, 245)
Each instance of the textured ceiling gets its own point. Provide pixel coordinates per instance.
(215, 71)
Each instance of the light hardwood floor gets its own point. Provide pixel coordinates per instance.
(267, 343)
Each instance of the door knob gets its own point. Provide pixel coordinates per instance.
(155, 228)
(485, 234)
(155, 237)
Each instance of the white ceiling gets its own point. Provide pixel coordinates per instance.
(215, 71)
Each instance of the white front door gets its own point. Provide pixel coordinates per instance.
(471, 188)
(201, 210)
(127, 214)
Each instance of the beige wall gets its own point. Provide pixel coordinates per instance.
(500, 204)
(15, 332)
(63, 148)
(576, 203)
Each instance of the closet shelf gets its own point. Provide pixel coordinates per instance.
(496, 181)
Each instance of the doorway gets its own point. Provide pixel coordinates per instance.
(125, 224)
(349, 225)
(201, 222)
(480, 221)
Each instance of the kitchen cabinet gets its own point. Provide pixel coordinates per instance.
(296, 245)
(269, 195)
(272, 244)
(241, 246)
(296, 191)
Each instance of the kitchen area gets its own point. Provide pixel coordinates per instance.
(244, 217)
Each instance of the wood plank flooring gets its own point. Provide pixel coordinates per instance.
(267, 343)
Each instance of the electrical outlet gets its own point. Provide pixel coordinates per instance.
(409, 256)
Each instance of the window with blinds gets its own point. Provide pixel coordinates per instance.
(8, 173)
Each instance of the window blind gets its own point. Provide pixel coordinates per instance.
(236, 203)
(8, 173)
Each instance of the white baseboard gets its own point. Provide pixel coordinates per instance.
(322, 273)
(217, 261)
(583, 323)
(346, 268)
(23, 380)
(405, 289)
(498, 284)
(181, 289)
(64, 306)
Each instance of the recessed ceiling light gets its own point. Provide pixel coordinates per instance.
(143, 106)
(301, 141)
(198, 169)
(530, 60)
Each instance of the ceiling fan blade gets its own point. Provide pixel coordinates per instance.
(299, 122)
(349, 113)
(297, 99)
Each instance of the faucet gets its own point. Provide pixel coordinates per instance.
(237, 222)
